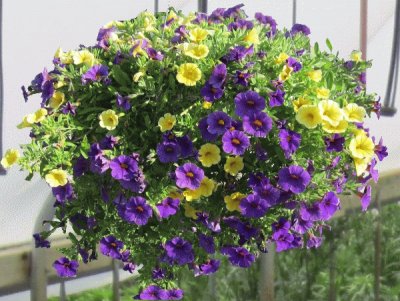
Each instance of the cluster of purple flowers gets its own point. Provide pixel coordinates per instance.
(172, 148)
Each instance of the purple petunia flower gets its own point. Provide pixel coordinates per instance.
(174, 294)
(179, 250)
(294, 179)
(154, 54)
(329, 205)
(168, 207)
(294, 64)
(249, 102)
(252, 206)
(129, 267)
(283, 240)
(233, 12)
(211, 93)
(112, 247)
(136, 184)
(255, 179)
(302, 226)
(240, 24)
(239, 256)
(136, 211)
(269, 21)
(203, 127)
(158, 274)
(289, 141)
(365, 195)
(123, 102)
(381, 150)
(153, 292)
(267, 192)
(180, 33)
(104, 36)
(349, 65)
(63, 193)
(242, 78)
(311, 212)
(246, 230)
(276, 99)
(168, 152)
(40, 242)
(66, 268)
(99, 164)
(238, 53)
(261, 153)
(300, 28)
(186, 145)
(257, 124)
(96, 73)
(334, 143)
(108, 142)
(69, 109)
(207, 243)
(218, 76)
(208, 268)
(281, 224)
(235, 142)
(189, 176)
(218, 122)
(123, 168)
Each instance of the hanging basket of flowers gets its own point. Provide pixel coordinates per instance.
(178, 138)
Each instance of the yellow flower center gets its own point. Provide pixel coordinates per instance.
(236, 141)
(257, 123)
(190, 174)
(221, 122)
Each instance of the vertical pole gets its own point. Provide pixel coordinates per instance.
(378, 248)
(294, 12)
(38, 274)
(332, 270)
(156, 6)
(2, 170)
(115, 283)
(202, 6)
(63, 293)
(363, 28)
(266, 285)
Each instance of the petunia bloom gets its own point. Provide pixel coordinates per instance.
(66, 268)
(294, 178)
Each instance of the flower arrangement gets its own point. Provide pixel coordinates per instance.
(178, 137)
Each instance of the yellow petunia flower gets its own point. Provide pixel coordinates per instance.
(188, 74)
(108, 120)
(57, 177)
(232, 201)
(207, 187)
(354, 113)
(167, 122)
(207, 105)
(209, 154)
(198, 34)
(252, 37)
(330, 111)
(84, 57)
(56, 100)
(361, 165)
(233, 165)
(196, 51)
(191, 195)
(282, 57)
(286, 73)
(299, 102)
(190, 211)
(309, 116)
(340, 128)
(323, 93)
(356, 56)
(175, 194)
(10, 158)
(67, 57)
(26, 122)
(362, 146)
(315, 75)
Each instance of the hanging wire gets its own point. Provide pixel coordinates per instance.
(2, 170)
(156, 6)
(202, 6)
(388, 108)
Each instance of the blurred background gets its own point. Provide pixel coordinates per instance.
(360, 259)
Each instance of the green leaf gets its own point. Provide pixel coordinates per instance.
(120, 76)
(329, 44)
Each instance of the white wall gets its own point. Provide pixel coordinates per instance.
(34, 29)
